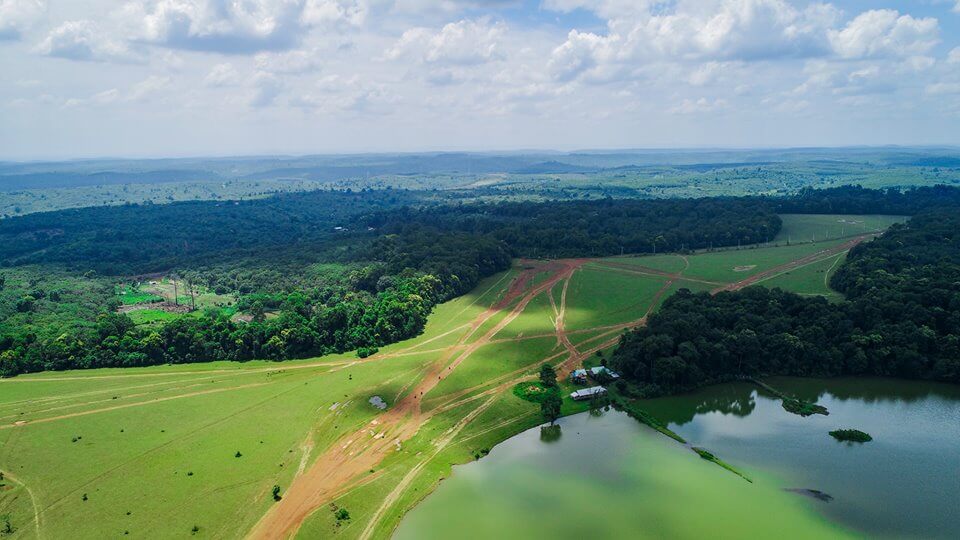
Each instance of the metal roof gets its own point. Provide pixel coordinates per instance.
(588, 392)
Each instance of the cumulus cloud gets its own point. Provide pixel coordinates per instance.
(686, 30)
(16, 15)
(237, 27)
(333, 12)
(84, 41)
(465, 42)
(885, 32)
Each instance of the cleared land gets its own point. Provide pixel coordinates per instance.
(158, 451)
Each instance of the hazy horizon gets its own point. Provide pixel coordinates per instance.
(546, 152)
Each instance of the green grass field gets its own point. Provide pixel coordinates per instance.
(152, 451)
(807, 228)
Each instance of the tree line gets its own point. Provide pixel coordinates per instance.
(341, 271)
(901, 318)
(414, 273)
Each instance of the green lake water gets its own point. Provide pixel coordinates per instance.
(611, 477)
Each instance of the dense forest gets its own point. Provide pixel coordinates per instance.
(598, 228)
(857, 200)
(901, 318)
(336, 271)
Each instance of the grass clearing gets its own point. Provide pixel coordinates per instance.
(599, 298)
(812, 280)
(799, 228)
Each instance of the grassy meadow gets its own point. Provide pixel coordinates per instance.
(157, 452)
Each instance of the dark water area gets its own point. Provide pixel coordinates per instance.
(904, 483)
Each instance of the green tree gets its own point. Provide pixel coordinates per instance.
(257, 311)
(550, 406)
(276, 493)
(25, 304)
(548, 376)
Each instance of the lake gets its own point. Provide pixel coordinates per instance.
(611, 477)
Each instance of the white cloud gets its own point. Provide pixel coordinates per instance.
(84, 41)
(687, 30)
(332, 12)
(266, 88)
(465, 42)
(237, 27)
(939, 89)
(954, 56)
(16, 15)
(222, 75)
(291, 62)
(148, 87)
(102, 98)
(698, 106)
(884, 33)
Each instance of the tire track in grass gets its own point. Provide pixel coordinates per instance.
(33, 500)
(358, 452)
(402, 486)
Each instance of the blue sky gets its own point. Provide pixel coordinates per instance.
(93, 78)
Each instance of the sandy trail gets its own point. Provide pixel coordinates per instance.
(357, 453)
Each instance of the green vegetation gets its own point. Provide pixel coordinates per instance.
(900, 319)
(803, 408)
(132, 295)
(533, 392)
(801, 228)
(851, 435)
(792, 404)
(810, 280)
(704, 454)
(419, 296)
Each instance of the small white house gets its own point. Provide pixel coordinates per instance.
(588, 393)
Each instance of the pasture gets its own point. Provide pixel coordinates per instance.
(156, 452)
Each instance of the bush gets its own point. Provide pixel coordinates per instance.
(851, 435)
(364, 352)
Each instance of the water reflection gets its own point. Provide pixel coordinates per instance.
(905, 483)
(869, 390)
(550, 434)
(735, 399)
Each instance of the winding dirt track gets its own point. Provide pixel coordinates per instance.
(356, 453)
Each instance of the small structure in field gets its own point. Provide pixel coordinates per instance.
(588, 393)
(601, 373)
(579, 376)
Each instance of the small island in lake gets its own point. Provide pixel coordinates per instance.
(851, 435)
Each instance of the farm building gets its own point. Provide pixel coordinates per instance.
(589, 393)
(579, 376)
(603, 373)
